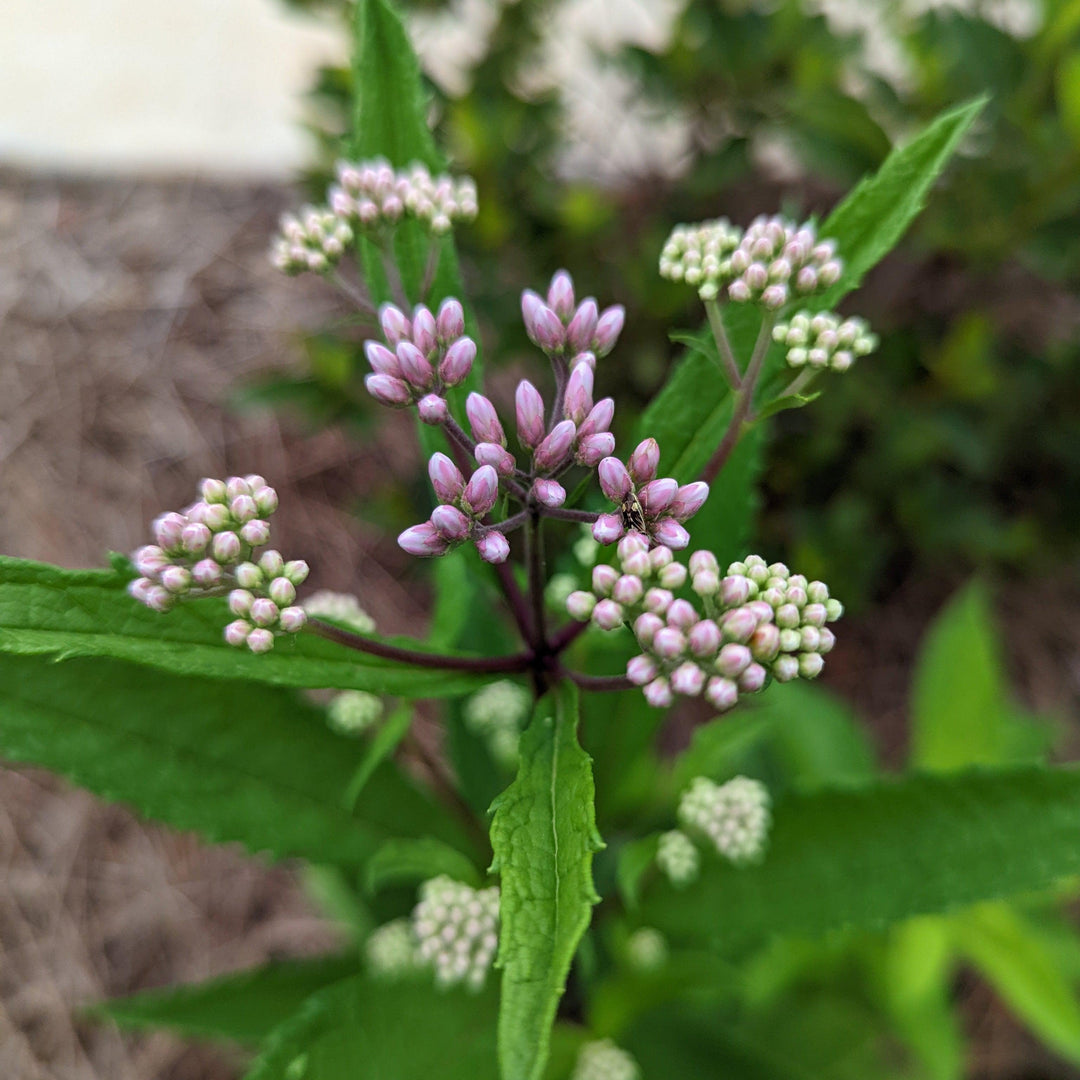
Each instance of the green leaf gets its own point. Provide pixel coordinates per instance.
(873, 217)
(66, 613)
(383, 744)
(231, 760)
(961, 713)
(716, 747)
(635, 860)
(400, 862)
(404, 1031)
(1024, 972)
(869, 855)
(544, 836)
(782, 404)
(244, 1007)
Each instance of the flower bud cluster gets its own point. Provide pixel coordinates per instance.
(459, 515)
(824, 340)
(353, 712)
(343, 608)
(562, 327)
(759, 620)
(768, 263)
(390, 950)
(427, 355)
(315, 239)
(650, 508)
(495, 714)
(647, 949)
(677, 858)
(456, 928)
(735, 817)
(603, 1060)
(210, 547)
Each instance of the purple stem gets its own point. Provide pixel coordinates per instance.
(566, 635)
(597, 682)
(567, 514)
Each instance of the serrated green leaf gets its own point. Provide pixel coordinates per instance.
(403, 1031)
(872, 854)
(399, 862)
(1024, 972)
(243, 1007)
(231, 760)
(383, 744)
(67, 613)
(544, 836)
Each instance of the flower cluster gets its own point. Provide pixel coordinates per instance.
(824, 340)
(343, 608)
(603, 1060)
(759, 620)
(765, 264)
(495, 713)
(648, 507)
(562, 327)
(677, 858)
(456, 929)
(373, 193)
(210, 547)
(390, 950)
(352, 712)
(734, 817)
(646, 949)
(427, 355)
(315, 239)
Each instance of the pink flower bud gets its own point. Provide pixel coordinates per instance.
(688, 679)
(226, 548)
(689, 500)
(396, 327)
(811, 665)
(293, 619)
(483, 420)
(296, 570)
(560, 295)
(236, 633)
(194, 538)
(644, 462)
(423, 330)
(658, 600)
(657, 496)
(381, 359)
(661, 556)
(668, 643)
(603, 579)
(260, 640)
(206, 573)
(578, 402)
(608, 329)
(450, 323)
(256, 533)
(703, 560)
(752, 679)
(432, 409)
(243, 508)
(236, 485)
(722, 694)
(553, 451)
(266, 499)
(672, 576)
(264, 612)
(785, 668)
(580, 605)
(599, 418)
(592, 449)
(739, 625)
(249, 576)
(493, 547)
(422, 541)
(271, 563)
(498, 457)
(240, 601)
(168, 531)
(549, 493)
(740, 292)
(450, 522)
(641, 670)
(387, 390)
(704, 639)
(446, 479)
(608, 615)
(815, 615)
(682, 615)
(584, 359)
(414, 366)
(607, 528)
(614, 479)
(765, 642)
(530, 414)
(827, 639)
(733, 660)
(735, 590)
(628, 590)
(706, 583)
(668, 531)
(481, 491)
(157, 598)
(637, 563)
(148, 560)
(177, 579)
(458, 362)
(282, 591)
(658, 694)
(645, 627)
(543, 326)
(212, 491)
(582, 328)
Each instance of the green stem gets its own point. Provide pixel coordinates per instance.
(723, 344)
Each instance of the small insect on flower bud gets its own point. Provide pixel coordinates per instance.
(529, 407)
(493, 547)
(644, 462)
(432, 409)
(608, 329)
(483, 420)
(450, 322)
(553, 451)
(388, 390)
(450, 523)
(458, 362)
(582, 328)
(543, 326)
(549, 493)
(560, 295)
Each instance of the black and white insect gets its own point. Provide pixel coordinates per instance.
(631, 514)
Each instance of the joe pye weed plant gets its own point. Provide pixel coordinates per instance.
(616, 914)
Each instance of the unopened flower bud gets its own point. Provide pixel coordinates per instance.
(212, 491)
(423, 541)
(733, 660)
(423, 330)
(658, 601)
(614, 479)
(592, 449)
(226, 548)
(236, 485)
(450, 522)
(381, 359)
(282, 591)
(607, 528)
(739, 625)
(582, 328)
(681, 613)
(529, 407)
(608, 615)
(644, 462)
(498, 457)
(580, 604)
(658, 693)
(260, 640)
(177, 579)
(785, 668)
(206, 573)
(599, 418)
(388, 390)
(149, 560)
(266, 499)
(584, 359)
(735, 590)
(706, 583)
(657, 496)
(543, 326)
(560, 295)
(833, 609)
(608, 329)
(765, 642)
(493, 547)
(293, 619)
(395, 326)
(549, 493)
(553, 451)
(458, 361)
(645, 627)
(688, 679)
(689, 500)
(628, 590)
(722, 694)
(604, 578)
(810, 665)
(704, 639)
(450, 322)
(483, 420)
(414, 366)
(264, 612)
(641, 670)
(243, 508)
(236, 633)
(249, 576)
(637, 564)
(256, 533)
(669, 532)
(194, 538)
(578, 400)
(481, 491)
(751, 679)
(445, 477)
(432, 409)
(703, 560)
(668, 643)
